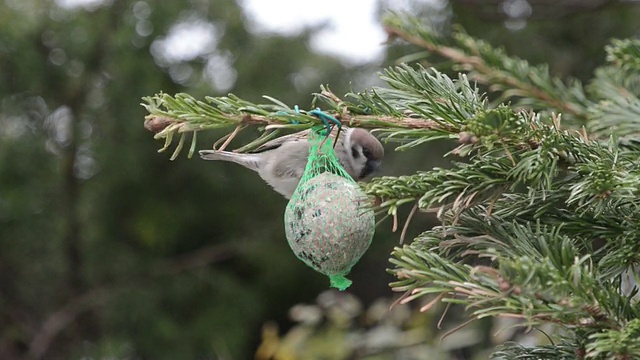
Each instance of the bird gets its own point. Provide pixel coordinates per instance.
(281, 161)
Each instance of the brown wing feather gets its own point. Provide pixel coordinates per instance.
(277, 142)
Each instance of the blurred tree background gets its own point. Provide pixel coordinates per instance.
(108, 249)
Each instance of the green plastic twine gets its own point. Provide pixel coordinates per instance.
(328, 221)
(339, 282)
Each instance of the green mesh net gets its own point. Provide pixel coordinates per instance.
(329, 222)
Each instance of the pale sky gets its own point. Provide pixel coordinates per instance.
(352, 32)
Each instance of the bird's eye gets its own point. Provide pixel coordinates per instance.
(366, 153)
(354, 152)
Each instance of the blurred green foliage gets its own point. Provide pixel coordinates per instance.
(108, 249)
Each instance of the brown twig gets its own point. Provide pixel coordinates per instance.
(364, 121)
(230, 136)
(394, 228)
(62, 318)
(57, 321)
(444, 313)
(406, 223)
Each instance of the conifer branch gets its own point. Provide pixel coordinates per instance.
(624, 53)
(531, 87)
(182, 113)
(565, 350)
(541, 219)
(618, 111)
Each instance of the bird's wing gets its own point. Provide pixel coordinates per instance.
(277, 142)
(298, 136)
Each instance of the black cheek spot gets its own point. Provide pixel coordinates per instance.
(354, 152)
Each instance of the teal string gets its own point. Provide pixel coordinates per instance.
(326, 120)
(291, 120)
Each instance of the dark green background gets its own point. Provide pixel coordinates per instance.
(107, 248)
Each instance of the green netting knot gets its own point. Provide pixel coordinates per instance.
(329, 222)
(339, 282)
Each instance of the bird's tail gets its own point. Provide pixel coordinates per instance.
(250, 161)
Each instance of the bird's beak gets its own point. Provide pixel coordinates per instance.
(375, 165)
(371, 167)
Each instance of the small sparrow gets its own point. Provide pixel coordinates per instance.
(281, 162)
